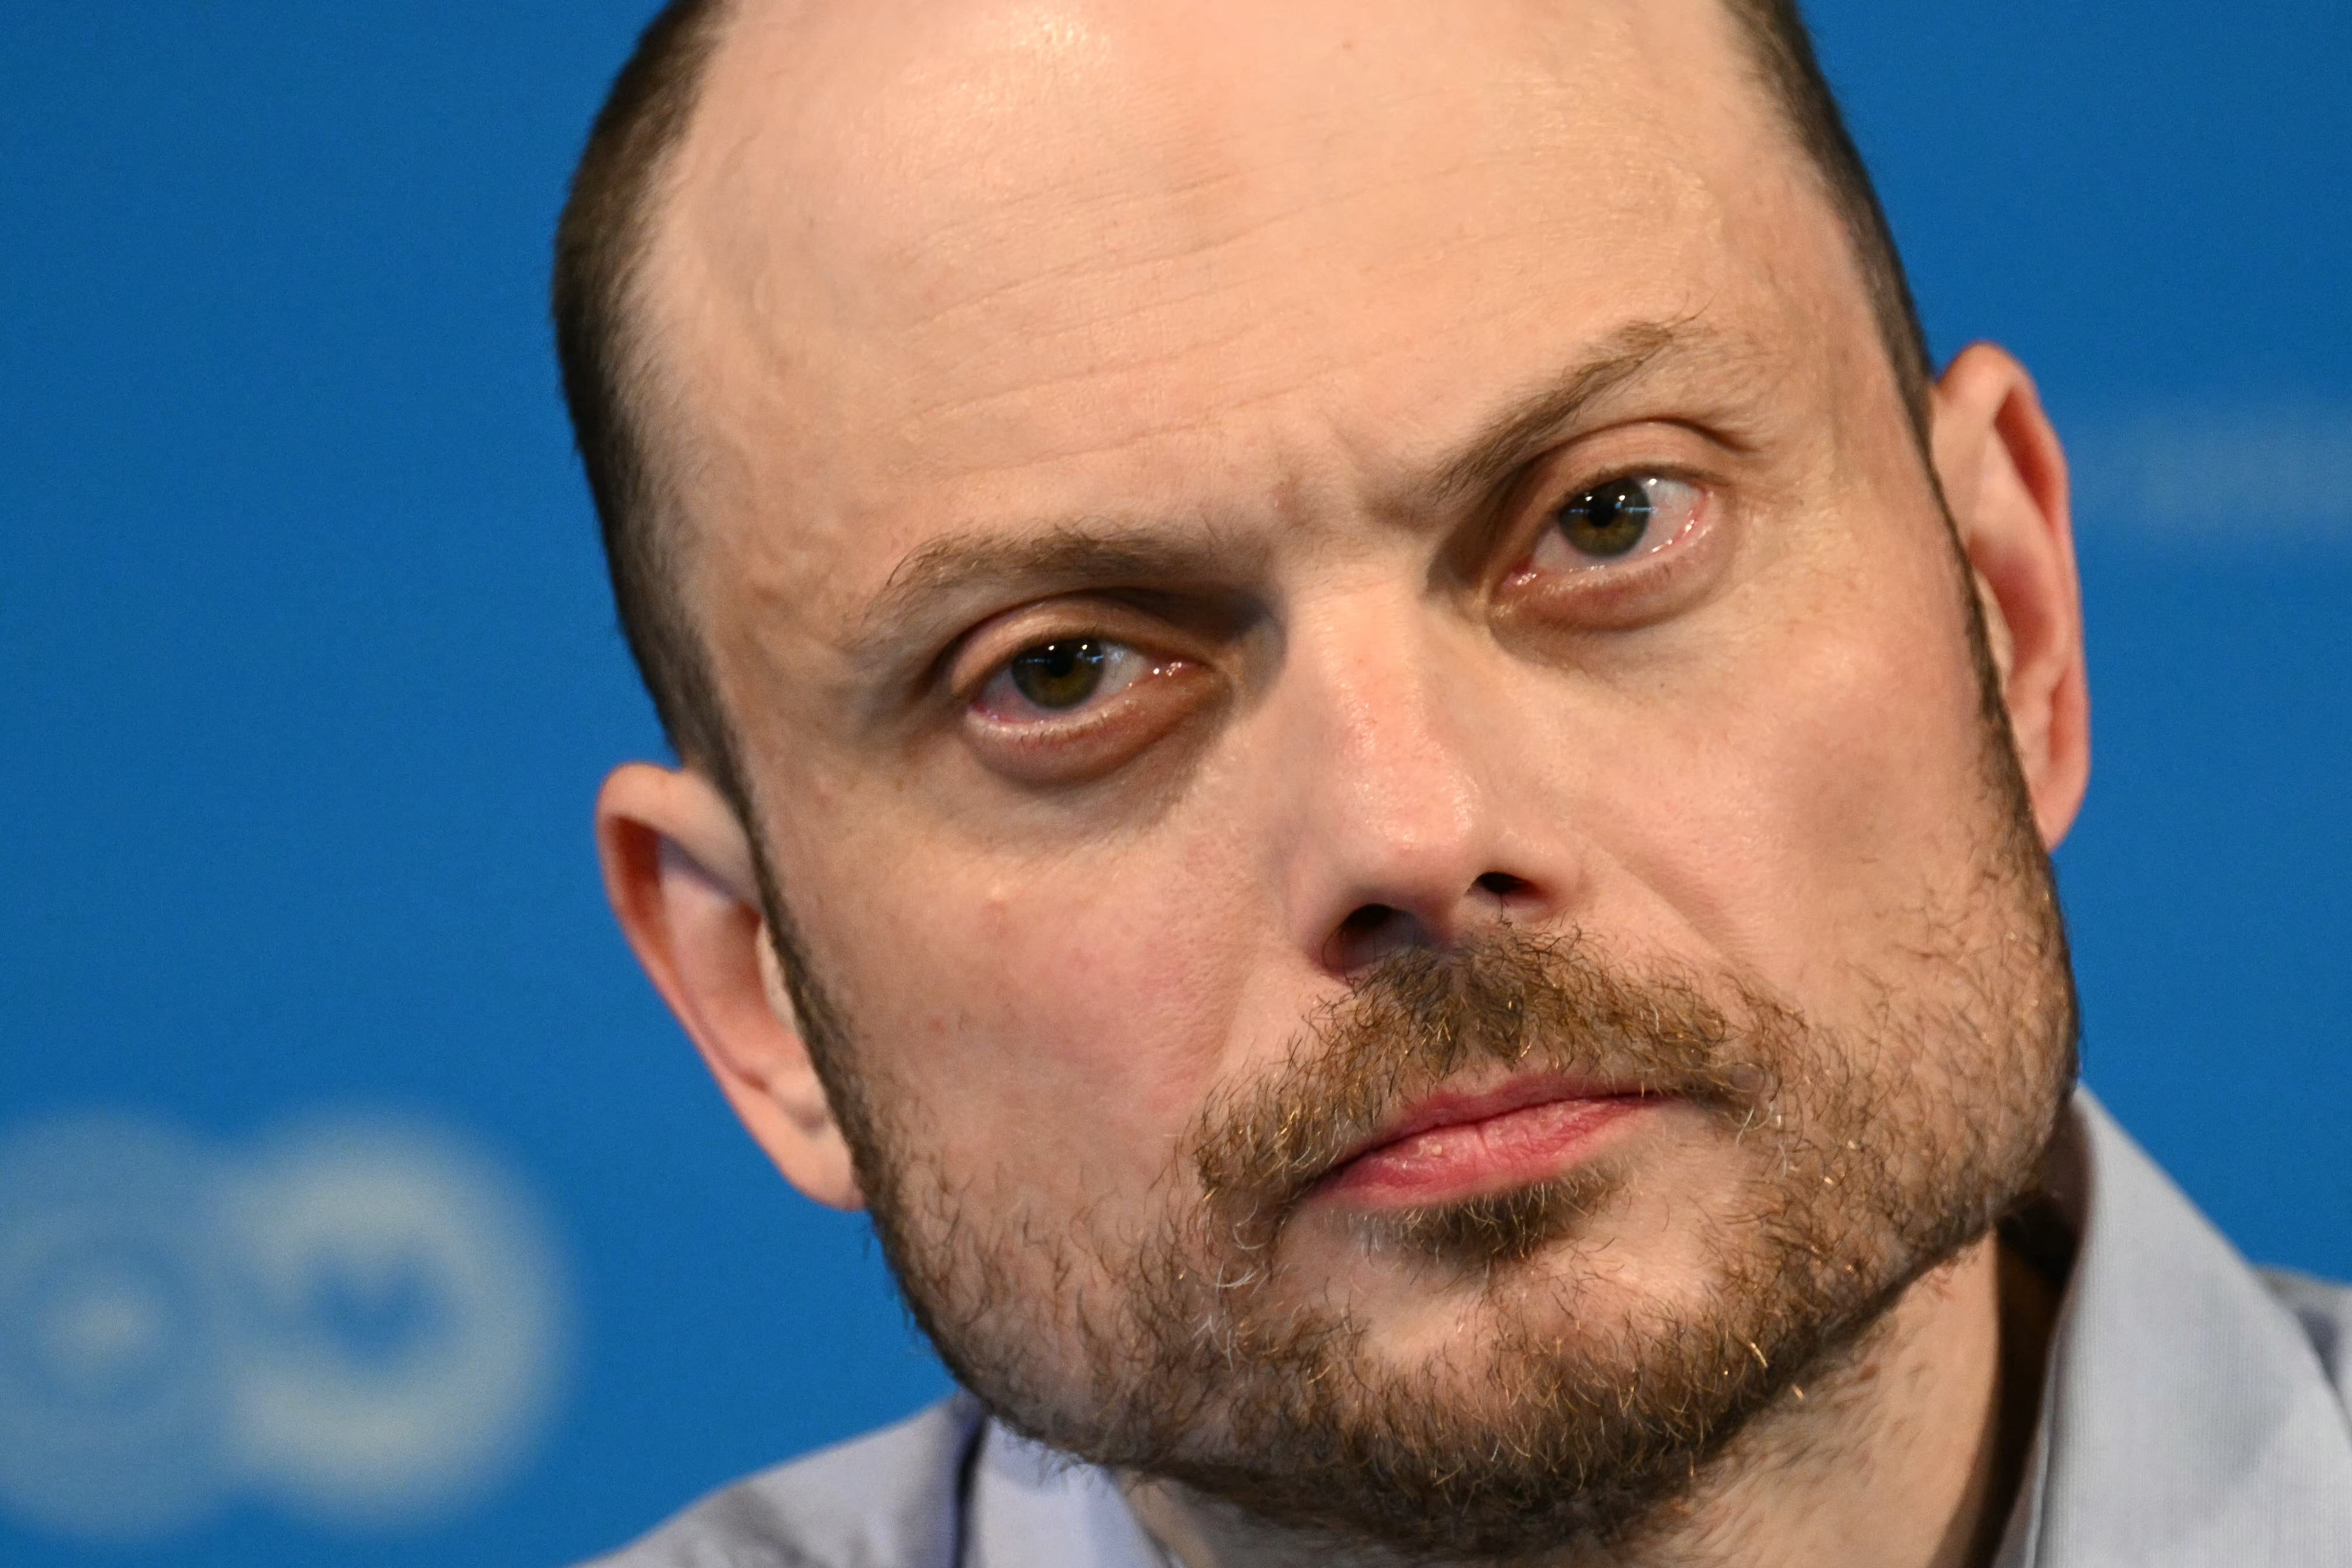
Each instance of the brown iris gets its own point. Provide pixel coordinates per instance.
(1056, 676)
(1608, 522)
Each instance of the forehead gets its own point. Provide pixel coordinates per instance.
(930, 262)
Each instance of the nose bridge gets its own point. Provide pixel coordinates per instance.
(1395, 759)
(1400, 833)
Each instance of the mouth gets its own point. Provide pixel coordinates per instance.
(1449, 1147)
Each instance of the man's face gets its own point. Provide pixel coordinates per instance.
(1363, 704)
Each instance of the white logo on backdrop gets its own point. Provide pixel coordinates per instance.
(361, 1319)
(2236, 478)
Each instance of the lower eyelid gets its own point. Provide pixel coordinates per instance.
(1642, 587)
(1601, 567)
(1100, 740)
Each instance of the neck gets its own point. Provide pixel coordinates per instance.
(1911, 1458)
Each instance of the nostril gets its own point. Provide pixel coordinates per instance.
(1501, 885)
(1371, 933)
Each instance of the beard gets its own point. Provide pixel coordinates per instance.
(1568, 1413)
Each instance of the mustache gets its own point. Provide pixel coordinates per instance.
(1543, 1002)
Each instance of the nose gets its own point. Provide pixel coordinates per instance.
(1416, 821)
(1373, 930)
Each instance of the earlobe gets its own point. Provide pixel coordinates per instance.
(679, 870)
(2004, 476)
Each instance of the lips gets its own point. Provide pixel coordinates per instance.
(1449, 1147)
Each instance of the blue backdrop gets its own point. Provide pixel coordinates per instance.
(359, 1203)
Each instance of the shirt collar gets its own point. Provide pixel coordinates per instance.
(1030, 1505)
(2185, 1419)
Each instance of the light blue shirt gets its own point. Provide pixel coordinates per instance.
(2193, 1415)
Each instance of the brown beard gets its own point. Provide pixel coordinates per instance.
(1866, 1171)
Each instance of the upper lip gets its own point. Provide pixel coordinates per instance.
(1451, 1109)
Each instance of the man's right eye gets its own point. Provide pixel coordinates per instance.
(1059, 679)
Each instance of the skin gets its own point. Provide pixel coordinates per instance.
(1229, 305)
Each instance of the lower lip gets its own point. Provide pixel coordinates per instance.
(1471, 1159)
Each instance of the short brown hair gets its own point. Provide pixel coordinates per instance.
(602, 241)
(601, 244)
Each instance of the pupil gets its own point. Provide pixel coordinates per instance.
(1059, 674)
(1610, 520)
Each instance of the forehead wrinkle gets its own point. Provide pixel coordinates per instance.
(1161, 377)
(1157, 277)
(1211, 224)
(1214, 123)
(1197, 142)
(1195, 269)
(1100, 552)
(1208, 125)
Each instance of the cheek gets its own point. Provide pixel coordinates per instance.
(1829, 789)
(1057, 1024)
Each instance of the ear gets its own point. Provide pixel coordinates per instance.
(679, 870)
(2004, 476)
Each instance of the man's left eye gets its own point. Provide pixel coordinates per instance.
(1057, 678)
(1621, 520)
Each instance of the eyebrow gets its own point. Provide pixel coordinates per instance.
(1103, 552)
(1078, 552)
(1497, 450)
